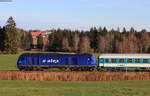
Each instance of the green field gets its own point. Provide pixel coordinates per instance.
(8, 62)
(40, 88)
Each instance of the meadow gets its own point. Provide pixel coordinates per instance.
(43, 88)
(8, 62)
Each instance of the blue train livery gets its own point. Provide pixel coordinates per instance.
(39, 61)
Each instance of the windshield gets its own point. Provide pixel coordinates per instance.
(92, 60)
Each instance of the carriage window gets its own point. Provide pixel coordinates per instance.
(101, 60)
(145, 60)
(106, 60)
(137, 60)
(121, 60)
(129, 60)
(113, 60)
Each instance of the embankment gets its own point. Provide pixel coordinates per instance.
(73, 76)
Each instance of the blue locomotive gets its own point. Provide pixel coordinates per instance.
(40, 61)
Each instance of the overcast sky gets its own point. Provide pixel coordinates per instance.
(77, 14)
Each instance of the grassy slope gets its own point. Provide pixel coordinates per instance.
(37, 88)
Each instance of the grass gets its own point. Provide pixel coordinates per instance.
(40, 88)
(8, 62)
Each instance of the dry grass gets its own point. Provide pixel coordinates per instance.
(74, 76)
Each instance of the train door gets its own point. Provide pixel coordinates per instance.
(101, 62)
(122, 62)
(35, 60)
(28, 60)
(72, 61)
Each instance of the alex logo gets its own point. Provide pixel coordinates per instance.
(50, 61)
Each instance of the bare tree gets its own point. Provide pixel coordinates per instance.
(84, 46)
(101, 44)
(144, 41)
(65, 44)
(75, 42)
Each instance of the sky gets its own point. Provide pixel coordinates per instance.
(77, 14)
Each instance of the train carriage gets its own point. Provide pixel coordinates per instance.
(124, 61)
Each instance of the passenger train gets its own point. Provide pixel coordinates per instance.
(82, 62)
(124, 61)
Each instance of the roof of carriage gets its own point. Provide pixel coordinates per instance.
(124, 56)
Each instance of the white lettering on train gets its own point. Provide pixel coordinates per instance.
(50, 61)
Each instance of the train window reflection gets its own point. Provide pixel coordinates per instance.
(102, 60)
(106, 60)
(137, 60)
(89, 58)
(113, 60)
(129, 60)
(121, 60)
(145, 60)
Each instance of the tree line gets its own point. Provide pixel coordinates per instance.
(98, 40)
(12, 39)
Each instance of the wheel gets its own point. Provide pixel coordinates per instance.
(24, 69)
(68, 69)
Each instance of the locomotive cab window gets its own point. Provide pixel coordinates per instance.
(113, 60)
(145, 60)
(137, 60)
(89, 59)
(129, 60)
(121, 60)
